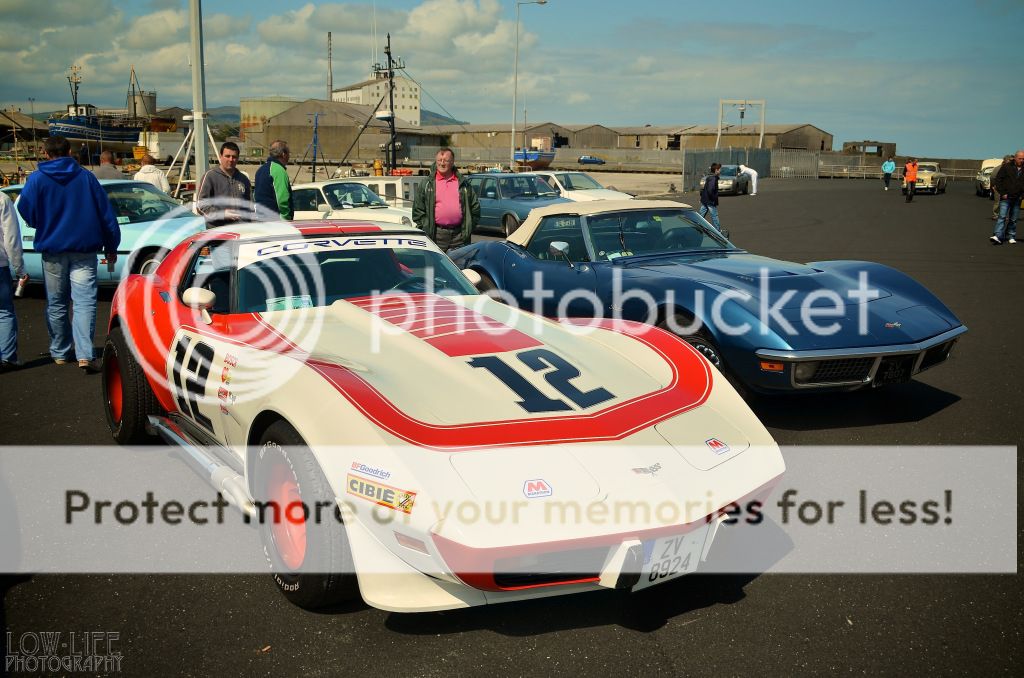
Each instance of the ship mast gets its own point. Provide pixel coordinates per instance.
(74, 79)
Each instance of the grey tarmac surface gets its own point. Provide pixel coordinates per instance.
(721, 625)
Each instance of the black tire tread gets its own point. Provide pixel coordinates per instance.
(137, 400)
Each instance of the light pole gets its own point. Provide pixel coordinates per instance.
(515, 84)
(32, 109)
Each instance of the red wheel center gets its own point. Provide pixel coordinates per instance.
(115, 394)
(288, 526)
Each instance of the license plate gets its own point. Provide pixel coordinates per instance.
(895, 370)
(671, 557)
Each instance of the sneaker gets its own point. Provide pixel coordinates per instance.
(1012, 241)
(60, 361)
(996, 240)
(9, 366)
(89, 365)
(887, 188)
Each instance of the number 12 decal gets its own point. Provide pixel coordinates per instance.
(194, 386)
(531, 398)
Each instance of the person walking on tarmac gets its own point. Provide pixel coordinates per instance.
(910, 176)
(888, 167)
(709, 195)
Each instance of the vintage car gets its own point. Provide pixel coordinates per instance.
(754, 317)
(590, 160)
(731, 181)
(506, 199)
(151, 223)
(580, 186)
(929, 178)
(345, 199)
(983, 181)
(354, 367)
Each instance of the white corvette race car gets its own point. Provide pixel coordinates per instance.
(402, 437)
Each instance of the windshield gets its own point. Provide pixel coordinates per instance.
(577, 181)
(926, 167)
(138, 202)
(306, 279)
(351, 195)
(633, 232)
(525, 186)
(730, 170)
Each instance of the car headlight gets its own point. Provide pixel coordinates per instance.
(406, 221)
(804, 372)
(725, 183)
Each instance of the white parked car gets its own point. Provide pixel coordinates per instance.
(929, 178)
(580, 187)
(341, 199)
(983, 180)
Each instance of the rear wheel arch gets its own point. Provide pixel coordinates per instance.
(146, 258)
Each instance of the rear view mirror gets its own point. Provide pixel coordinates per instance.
(472, 276)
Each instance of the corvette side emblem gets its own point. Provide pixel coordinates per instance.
(890, 326)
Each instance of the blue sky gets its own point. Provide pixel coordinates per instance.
(888, 71)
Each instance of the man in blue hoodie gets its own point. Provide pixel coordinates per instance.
(73, 220)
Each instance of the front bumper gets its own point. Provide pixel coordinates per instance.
(853, 368)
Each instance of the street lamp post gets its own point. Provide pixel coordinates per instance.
(515, 84)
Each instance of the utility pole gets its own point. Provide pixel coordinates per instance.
(199, 127)
(330, 71)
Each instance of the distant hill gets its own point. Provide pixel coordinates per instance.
(431, 118)
(225, 115)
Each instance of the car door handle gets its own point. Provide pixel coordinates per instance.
(28, 238)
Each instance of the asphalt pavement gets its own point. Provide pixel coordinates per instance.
(701, 624)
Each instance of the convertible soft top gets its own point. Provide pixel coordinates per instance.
(523, 234)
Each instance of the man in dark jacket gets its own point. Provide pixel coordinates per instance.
(445, 207)
(1008, 184)
(273, 190)
(73, 220)
(709, 195)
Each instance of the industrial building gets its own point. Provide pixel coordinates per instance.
(370, 92)
(337, 124)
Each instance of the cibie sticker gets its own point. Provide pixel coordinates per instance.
(533, 489)
(716, 446)
(381, 494)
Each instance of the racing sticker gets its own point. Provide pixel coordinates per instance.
(249, 253)
(380, 494)
(538, 487)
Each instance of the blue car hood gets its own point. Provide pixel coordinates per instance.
(889, 318)
(749, 273)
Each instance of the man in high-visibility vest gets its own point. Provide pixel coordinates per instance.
(910, 177)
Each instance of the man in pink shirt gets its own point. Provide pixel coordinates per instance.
(446, 208)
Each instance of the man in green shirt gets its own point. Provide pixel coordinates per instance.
(273, 190)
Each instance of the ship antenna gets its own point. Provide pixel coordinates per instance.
(74, 79)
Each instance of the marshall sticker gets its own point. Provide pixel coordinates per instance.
(536, 488)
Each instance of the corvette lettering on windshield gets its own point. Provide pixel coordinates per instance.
(337, 244)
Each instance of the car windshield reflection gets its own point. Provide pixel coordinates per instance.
(661, 231)
(351, 195)
(138, 202)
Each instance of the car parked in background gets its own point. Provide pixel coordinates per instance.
(731, 181)
(580, 187)
(148, 232)
(345, 200)
(506, 199)
(590, 160)
(983, 181)
(929, 178)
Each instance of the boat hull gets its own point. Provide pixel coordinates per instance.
(534, 159)
(94, 131)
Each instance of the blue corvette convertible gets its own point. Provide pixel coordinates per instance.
(147, 231)
(773, 326)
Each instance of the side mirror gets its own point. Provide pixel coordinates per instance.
(323, 208)
(490, 194)
(560, 248)
(473, 277)
(201, 299)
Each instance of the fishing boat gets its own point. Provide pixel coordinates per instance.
(114, 131)
(534, 159)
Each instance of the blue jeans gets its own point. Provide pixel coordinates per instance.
(70, 276)
(1009, 210)
(713, 210)
(8, 319)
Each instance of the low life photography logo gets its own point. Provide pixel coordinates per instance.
(63, 652)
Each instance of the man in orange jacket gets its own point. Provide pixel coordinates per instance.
(910, 176)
